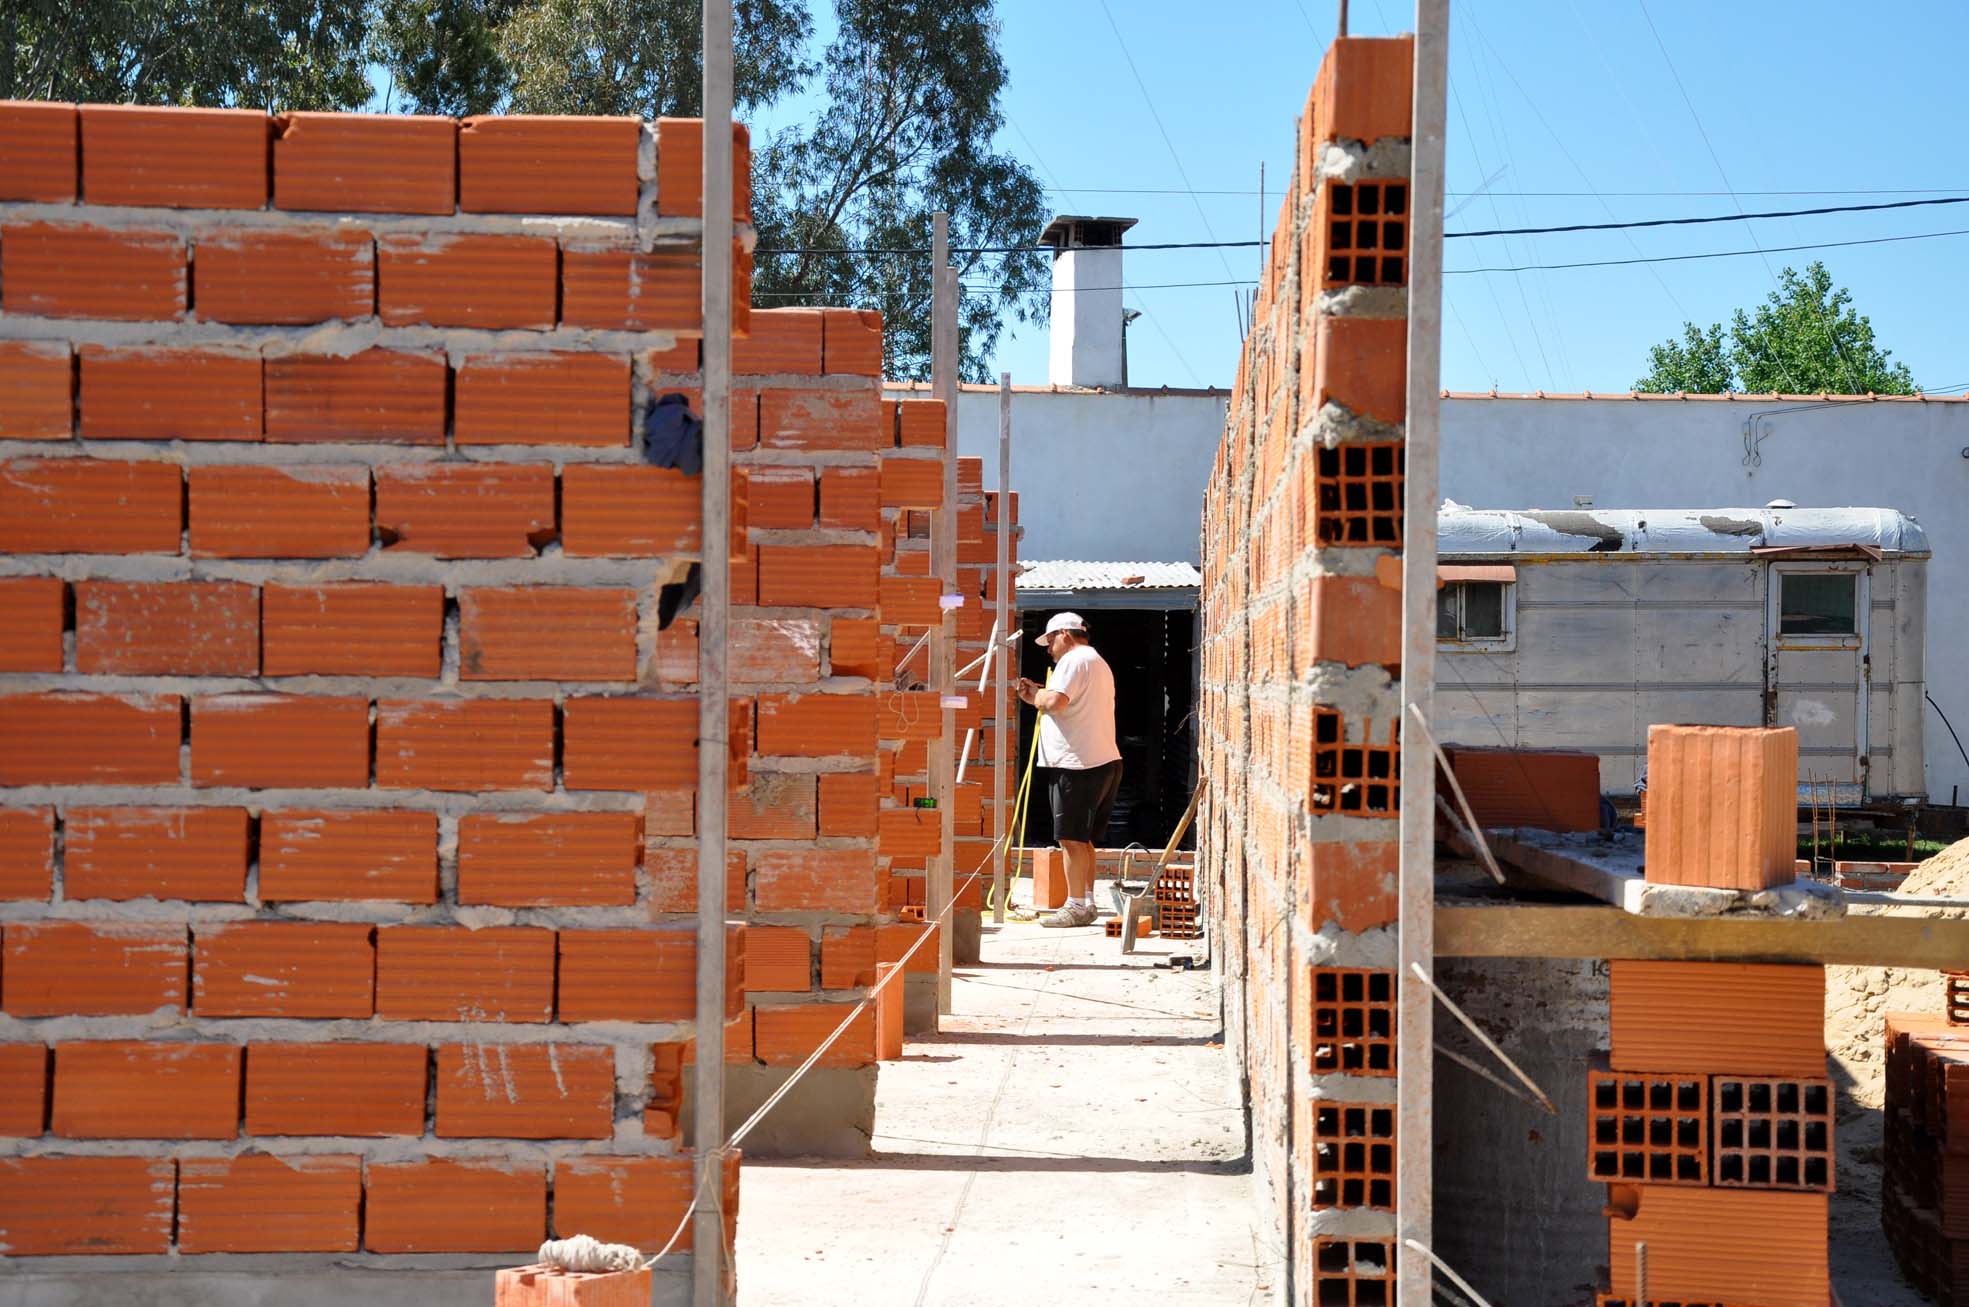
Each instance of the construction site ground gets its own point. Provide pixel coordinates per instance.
(1074, 1135)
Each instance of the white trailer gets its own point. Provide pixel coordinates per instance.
(1579, 629)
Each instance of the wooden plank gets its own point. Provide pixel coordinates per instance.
(1529, 930)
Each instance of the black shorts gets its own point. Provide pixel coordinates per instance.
(1082, 800)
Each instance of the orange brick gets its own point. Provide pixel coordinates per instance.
(680, 169)
(260, 1204)
(38, 151)
(98, 1205)
(911, 715)
(450, 973)
(557, 398)
(774, 806)
(23, 1074)
(365, 163)
(541, 633)
(1717, 1018)
(351, 628)
(630, 512)
(175, 158)
(778, 958)
(1363, 366)
(637, 1200)
(1363, 90)
(1352, 620)
(145, 1089)
(780, 497)
(673, 879)
(89, 506)
(283, 969)
(477, 510)
(852, 341)
(196, 854)
(788, 1035)
(821, 420)
(850, 498)
(1355, 885)
(465, 745)
(680, 358)
(525, 1091)
(848, 804)
(815, 880)
(67, 968)
(31, 619)
(27, 853)
(816, 725)
(629, 744)
(37, 386)
(626, 290)
(275, 741)
(847, 957)
(912, 600)
(738, 1040)
(782, 342)
(852, 648)
(1550, 789)
(170, 394)
(55, 270)
(922, 424)
(912, 482)
(892, 942)
(562, 859)
(336, 1089)
(772, 650)
(462, 1206)
(88, 739)
(527, 163)
(279, 512)
(538, 1284)
(348, 856)
(448, 279)
(1722, 806)
(645, 974)
(909, 832)
(393, 396)
(284, 278)
(820, 576)
(167, 628)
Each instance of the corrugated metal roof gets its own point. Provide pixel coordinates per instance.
(1467, 532)
(1073, 574)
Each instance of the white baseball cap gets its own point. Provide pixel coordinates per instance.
(1062, 622)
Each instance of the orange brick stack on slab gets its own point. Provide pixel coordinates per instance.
(1722, 806)
(340, 755)
(1924, 1198)
(1300, 703)
(1712, 1117)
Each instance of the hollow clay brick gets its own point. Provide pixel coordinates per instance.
(819, 576)
(50, 1206)
(449, 973)
(479, 510)
(394, 396)
(781, 498)
(912, 482)
(169, 394)
(315, 855)
(921, 424)
(455, 1206)
(778, 959)
(911, 715)
(1718, 1018)
(365, 163)
(525, 1091)
(680, 169)
(559, 398)
(1363, 91)
(37, 389)
(816, 725)
(351, 628)
(336, 1089)
(72, 968)
(628, 290)
(578, 859)
(27, 853)
(851, 341)
(23, 1082)
(1049, 878)
(317, 511)
(782, 342)
(523, 163)
(305, 969)
(194, 854)
(1547, 789)
(186, 1091)
(629, 512)
(851, 498)
(37, 151)
(911, 600)
(274, 741)
(1697, 1247)
(847, 957)
(483, 744)
(31, 618)
(1722, 806)
(1352, 620)
(848, 802)
(59, 270)
(90, 506)
(909, 832)
(89, 739)
(175, 158)
(446, 279)
(629, 975)
(167, 628)
(1353, 884)
(673, 879)
(260, 1204)
(889, 1012)
(548, 1286)
(773, 650)
(821, 420)
(815, 880)
(852, 643)
(546, 633)
(786, 1035)
(774, 806)
(292, 278)
(629, 744)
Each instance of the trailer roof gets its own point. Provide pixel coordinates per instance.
(1473, 532)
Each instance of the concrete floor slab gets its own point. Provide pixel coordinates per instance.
(1074, 1134)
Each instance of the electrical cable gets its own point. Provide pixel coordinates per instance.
(1708, 218)
(1946, 722)
(1714, 254)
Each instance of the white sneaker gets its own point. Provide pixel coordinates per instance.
(1070, 916)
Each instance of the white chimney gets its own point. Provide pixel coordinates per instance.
(1089, 347)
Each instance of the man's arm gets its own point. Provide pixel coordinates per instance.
(1041, 698)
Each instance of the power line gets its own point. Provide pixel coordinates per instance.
(1713, 254)
(1533, 195)
(1708, 218)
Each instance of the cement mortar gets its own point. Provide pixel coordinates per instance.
(290, 1282)
(830, 1113)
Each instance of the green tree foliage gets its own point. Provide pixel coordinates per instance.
(1804, 339)
(260, 54)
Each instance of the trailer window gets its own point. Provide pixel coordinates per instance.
(1473, 612)
(1818, 603)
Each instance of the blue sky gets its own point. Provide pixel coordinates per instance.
(1547, 96)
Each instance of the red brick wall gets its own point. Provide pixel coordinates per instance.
(1300, 706)
(346, 781)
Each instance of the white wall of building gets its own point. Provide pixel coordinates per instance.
(1622, 453)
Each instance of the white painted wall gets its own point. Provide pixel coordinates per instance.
(1085, 348)
(1542, 453)
(1114, 476)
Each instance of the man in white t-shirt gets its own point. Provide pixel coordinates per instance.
(1076, 742)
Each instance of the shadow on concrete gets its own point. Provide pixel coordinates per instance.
(1148, 964)
(1088, 1041)
(1025, 1163)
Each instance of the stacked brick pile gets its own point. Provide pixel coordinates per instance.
(1297, 844)
(1924, 1199)
(1713, 1114)
(346, 778)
